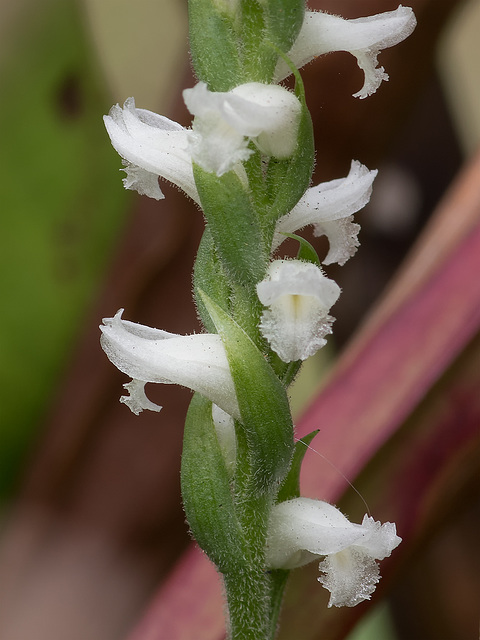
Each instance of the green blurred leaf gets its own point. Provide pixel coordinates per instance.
(61, 198)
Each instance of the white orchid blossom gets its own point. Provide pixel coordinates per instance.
(298, 297)
(225, 122)
(146, 355)
(364, 38)
(152, 146)
(329, 207)
(303, 529)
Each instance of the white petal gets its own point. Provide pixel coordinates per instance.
(342, 237)
(225, 121)
(197, 361)
(137, 400)
(303, 524)
(225, 429)
(380, 539)
(363, 37)
(144, 182)
(350, 575)
(327, 202)
(298, 296)
(152, 143)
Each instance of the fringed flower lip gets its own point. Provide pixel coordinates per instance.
(297, 296)
(302, 530)
(197, 361)
(364, 38)
(329, 207)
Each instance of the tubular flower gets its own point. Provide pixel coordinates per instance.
(146, 355)
(298, 297)
(303, 529)
(329, 207)
(364, 38)
(225, 122)
(151, 146)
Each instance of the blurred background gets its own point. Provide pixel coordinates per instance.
(90, 511)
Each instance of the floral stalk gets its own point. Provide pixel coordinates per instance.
(247, 161)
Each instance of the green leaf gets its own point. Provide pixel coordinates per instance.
(213, 45)
(262, 400)
(233, 224)
(206, 493)
(291, 485)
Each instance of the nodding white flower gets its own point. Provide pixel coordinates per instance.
(298, 297)
(146, 355)
(364, 38)
(225, 122)
(151, 146)
(329, 207)
(302, 529)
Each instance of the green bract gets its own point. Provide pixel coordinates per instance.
(233, 224)
(262, 401)
(207, 497)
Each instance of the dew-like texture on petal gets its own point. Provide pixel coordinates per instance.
(154, 145)
(351, 577)
(363, 37)
(303, 529)
(330, 202)
(197, 361)
(298, 297)
(225, 121)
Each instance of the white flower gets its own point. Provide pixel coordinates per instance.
(364, 38)
(303, 529)
(329, 207)
(151, 146)
(146, 355)
(225, 122)
(298, 296)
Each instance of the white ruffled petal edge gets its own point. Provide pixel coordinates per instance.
(302, 530)
(329, 207)
(362, 37)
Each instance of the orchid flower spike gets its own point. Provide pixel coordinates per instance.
(364, 38)
(151, 146)
(303, 529)
(298, 297)
(330, 207)
(146, 355)
(225, 122)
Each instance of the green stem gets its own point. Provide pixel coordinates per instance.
(248, 605)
